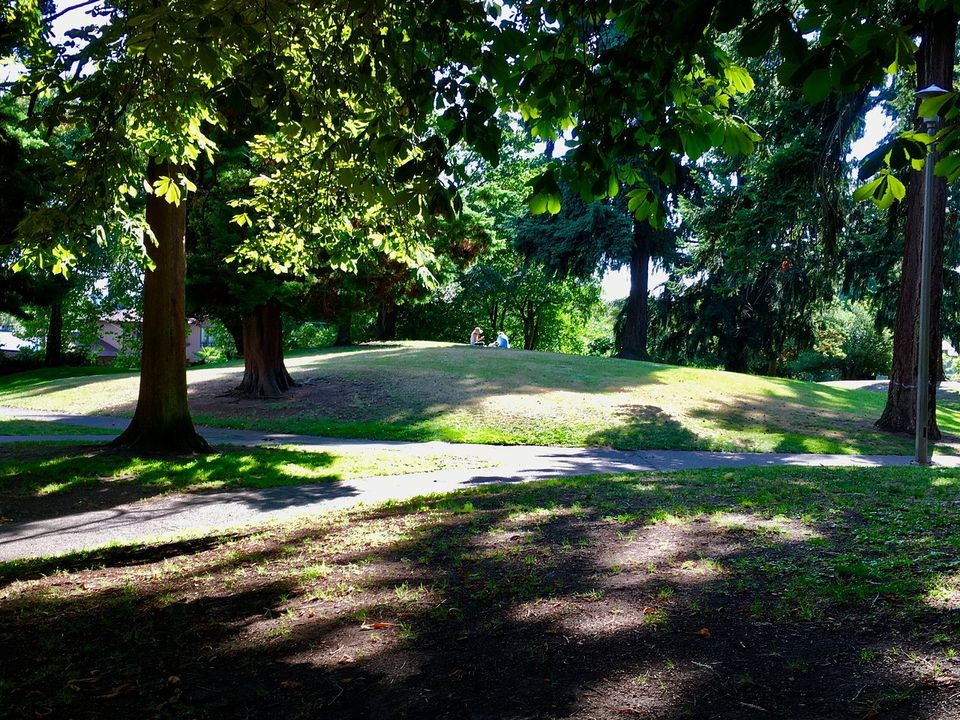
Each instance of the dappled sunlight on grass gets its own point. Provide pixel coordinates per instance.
(807, 592)
(944, 592)
(90, 477)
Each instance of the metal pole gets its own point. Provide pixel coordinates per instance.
(923, 334)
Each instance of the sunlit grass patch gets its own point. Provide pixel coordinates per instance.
(422, 391)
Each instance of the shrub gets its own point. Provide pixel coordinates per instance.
(602, 346)
(848, 346)
(211, 354)
(309, 335)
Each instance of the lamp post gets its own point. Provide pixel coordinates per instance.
(926, 263)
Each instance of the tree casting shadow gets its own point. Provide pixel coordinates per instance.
(576, 598)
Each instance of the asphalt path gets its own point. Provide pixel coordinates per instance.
(196, 513)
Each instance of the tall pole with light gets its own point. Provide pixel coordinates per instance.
(926, 267)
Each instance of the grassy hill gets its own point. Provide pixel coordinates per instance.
(429, 391)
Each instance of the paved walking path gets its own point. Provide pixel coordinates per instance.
(172, 515)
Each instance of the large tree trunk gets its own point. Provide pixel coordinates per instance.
(53, 355)
(344, 331)
(632, 343)
(387, 321)
(162, 421)
(934, 65)
(264, 373)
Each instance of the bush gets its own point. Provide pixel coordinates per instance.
(602, 346)
(222, 340)
(309, 335)
(814, 366)
(127, 361)
(848, 346)
(868, 351)
(211, 354)
(21, 362)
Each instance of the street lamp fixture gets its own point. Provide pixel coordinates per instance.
(926, 263)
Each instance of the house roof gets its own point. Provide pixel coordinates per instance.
(11, 343)
(131, 316)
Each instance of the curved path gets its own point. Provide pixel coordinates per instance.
(173, 515)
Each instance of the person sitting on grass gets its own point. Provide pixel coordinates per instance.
(502, 341)
(476, 338)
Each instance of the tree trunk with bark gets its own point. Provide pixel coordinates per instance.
(632, 343)
(529, 314)
(387, 321)
(344, 331)
(934, 65)
(264, 373)
(162, 422)
(53, 354)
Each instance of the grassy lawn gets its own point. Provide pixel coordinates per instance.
(54, 480)
(429, 391)
(37, 427)
(790, 593)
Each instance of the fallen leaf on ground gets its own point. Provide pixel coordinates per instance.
(121, 689)
(290, 685)
(377, 625)
(704, 633)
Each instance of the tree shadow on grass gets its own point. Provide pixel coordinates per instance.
(683, 595)
(38, 482)
(645, 426)
(783, 425)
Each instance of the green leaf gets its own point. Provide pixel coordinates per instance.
(738, 78)
(896, 187)
(167, 189)
(817, 87)
(613, 186)
(933, 105)
(791, 43)
(948, 167)
(730, 13)
(757, 39)
(209, 59)
(537, 204)
(866, 191)
(695, 143)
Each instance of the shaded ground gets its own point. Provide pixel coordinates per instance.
(43, 481)
(423, 391)
(792, 593)
(10, 427)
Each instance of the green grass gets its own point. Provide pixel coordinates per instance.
(53, 471)
(428, 391)
(612, 581)
(38, 427)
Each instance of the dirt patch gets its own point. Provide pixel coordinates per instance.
(334, 397)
